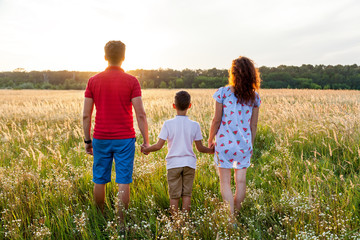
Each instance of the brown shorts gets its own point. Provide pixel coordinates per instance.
(180, 181)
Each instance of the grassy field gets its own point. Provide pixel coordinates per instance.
(303, 182)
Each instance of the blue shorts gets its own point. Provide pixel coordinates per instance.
(122, 150)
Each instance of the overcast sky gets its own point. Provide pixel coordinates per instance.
(70, 35)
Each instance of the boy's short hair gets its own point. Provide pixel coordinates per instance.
(182, 100)
(114, 51)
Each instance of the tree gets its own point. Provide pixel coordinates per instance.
(202, 85)
(171, 84)
(150, 84)
(19, 70)
(163, 84)
(179, 83)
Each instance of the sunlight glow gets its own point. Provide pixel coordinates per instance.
(58, 35)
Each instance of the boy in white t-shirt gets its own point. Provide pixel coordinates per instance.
(180, 132)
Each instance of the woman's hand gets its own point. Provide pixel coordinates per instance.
(211, 144)
(212, 149)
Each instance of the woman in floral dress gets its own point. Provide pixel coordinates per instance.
(234, 124)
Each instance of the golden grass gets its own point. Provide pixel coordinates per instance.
(303, 183)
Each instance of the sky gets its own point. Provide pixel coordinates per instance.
(177, 34)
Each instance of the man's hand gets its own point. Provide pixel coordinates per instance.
(89, 149)
(143, 148)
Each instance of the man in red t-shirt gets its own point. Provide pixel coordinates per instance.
(114, 93)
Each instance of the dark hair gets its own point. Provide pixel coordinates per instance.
(115, 51)
(245, 79)
(182, 100)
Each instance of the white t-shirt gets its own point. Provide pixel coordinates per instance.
(180, 132)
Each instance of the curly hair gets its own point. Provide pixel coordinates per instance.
(245, 79)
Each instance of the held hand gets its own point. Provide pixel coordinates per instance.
(143, 148)
(89, 149)
(212, 149)
(211, 144)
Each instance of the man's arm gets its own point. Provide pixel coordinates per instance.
(141, 119)
(87, 113)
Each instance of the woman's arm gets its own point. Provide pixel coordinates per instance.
(253, 123)
(215, 123)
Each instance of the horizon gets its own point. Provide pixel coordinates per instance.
(192, 69)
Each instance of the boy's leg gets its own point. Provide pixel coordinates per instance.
(174, 205)
(240, 180)
(186, 203)
(188, 180)
(99, 196)
(225, 187)
(174, 177)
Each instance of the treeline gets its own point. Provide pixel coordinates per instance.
(305, 76)
(19, 79)
(312, 77)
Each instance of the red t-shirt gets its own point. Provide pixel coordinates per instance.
(112, 91)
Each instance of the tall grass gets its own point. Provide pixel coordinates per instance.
(303, 182)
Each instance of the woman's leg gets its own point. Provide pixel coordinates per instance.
(240, 180)
(225, 186)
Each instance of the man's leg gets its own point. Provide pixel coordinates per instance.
(101, 170)
(124, 199)
(99, 196)
(124, 151)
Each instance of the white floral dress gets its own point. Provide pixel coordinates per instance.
(233, 147)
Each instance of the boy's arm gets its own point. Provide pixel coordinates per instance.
(155, 147)
(201, 148)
